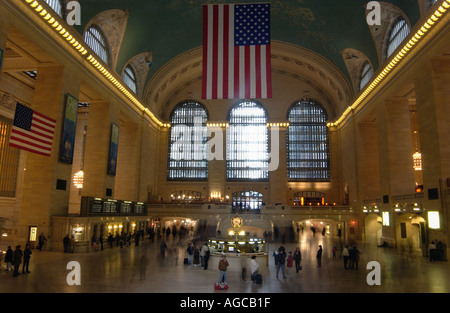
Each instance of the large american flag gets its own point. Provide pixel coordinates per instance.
(32, 131)
(236, 51)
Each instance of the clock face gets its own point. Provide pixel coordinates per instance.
(236, 222)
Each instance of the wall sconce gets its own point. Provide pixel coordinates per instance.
(417, 208)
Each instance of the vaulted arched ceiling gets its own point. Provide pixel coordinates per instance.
(169, 28)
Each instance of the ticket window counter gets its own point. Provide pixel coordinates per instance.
(237, 246)
(80, 236)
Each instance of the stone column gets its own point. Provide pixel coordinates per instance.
(368, 161)
(96, 158)
(41, 197)
(126, 187)
(395, 151)
(432, 101)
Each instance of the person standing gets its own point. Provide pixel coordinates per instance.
(72, 244)
(17, 259)
(223, 266)
(281, 259)
(297, 259)
(26, 258)
(290, 260)
(432, 248)
(356, 256)
(345, 255)
(66, 243)
(9, 258)
(94, 242)
(204, 255)
(319, 256)
(190, 252)
(100, 239)
(42, 240)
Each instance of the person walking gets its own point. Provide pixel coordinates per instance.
(281, 259)
(9, 259)
(41, 241)
(356, 256)
(26, 258)
(223, 266)
(254, 268)
(345, 255)
(190, 252)
(319, 257)
(94, 242)
(17, 259)
(297, 259)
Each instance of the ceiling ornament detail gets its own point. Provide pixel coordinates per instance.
(113, 23)
(354, 60)
(141, 64)
(389, 14)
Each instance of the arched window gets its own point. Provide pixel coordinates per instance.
(307, 141)
(129, 78)
(247, 143)
(244, 201)
(56, 5)
(366, 75)
(188, 149)
(400, 30)
(97, 42)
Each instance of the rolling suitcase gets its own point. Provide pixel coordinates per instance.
(220, 286)
(258, 279)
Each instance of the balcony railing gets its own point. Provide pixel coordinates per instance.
(227, 209)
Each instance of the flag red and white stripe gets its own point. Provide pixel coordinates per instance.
(232, 71)
(32, 131)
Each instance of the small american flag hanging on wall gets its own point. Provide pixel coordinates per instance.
(32, 131)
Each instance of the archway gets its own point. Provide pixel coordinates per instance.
(373, 228)
(410, 234)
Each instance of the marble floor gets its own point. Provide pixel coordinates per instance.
(141, 269)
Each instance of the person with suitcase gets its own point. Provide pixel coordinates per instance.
(254, 270)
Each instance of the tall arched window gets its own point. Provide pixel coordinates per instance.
(247, 143)
(56, 5)
(366, 75)
(129, 78)
(95, 39)
(307, 141)
(188, 149)
(399, 31)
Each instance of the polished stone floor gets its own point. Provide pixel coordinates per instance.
(141, 269)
